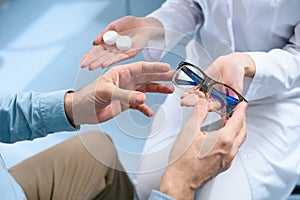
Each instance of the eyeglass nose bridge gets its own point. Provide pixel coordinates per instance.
(206, 85)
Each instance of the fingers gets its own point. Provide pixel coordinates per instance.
(94, 54)
(99, 38)
(198, 115)
(236, 122)
(103, 56)
(239, 140)
(143, 108)
(128, 96)
(156, 88)
(233, 134)
(190, 137)
(139, 68)
(241, 134)
(145, 72)
(190, 98)
(228, 139)
(113, 59)
(148, 77)
(112, 56)
(105, 60)
(136, 99)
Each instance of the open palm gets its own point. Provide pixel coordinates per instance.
(140, 30)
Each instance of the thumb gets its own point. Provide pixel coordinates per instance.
(190, 129)
(130, 97)
(198, 115)
(98, 40)
(237, 84)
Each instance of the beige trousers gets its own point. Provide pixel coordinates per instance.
(83, 167)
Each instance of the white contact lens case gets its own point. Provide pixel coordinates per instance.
(123, 43)
(110, 37)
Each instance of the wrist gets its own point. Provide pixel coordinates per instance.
(155, 26)
(68, 104)
(174, 185)
(250, 69)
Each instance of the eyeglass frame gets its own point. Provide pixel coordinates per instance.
(208, 82)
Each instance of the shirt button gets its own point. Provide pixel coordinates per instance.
(226, 42)
(247, 155)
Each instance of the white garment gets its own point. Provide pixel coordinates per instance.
(269, 31)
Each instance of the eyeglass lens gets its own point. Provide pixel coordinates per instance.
(190, 77)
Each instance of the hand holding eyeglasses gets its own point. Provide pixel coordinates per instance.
(231, 70)
(191, 78)
(198, 156)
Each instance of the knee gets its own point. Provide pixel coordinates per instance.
(100, 145)
(96, 138)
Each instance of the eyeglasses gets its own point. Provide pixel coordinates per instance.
(190, 77)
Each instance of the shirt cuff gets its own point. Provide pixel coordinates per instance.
(156, 195)
(158, 48)
(52, 112)
(258, 80)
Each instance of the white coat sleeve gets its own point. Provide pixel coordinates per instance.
(179, 18)
(277, 71)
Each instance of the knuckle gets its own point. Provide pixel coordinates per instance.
(141, 63)
(235, 54)
(220, 58)
(226, 163)
(226, 166)
(226, 142)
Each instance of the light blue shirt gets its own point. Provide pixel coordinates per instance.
(156, 195)
(26, 116)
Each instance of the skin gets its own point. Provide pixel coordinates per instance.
(119, 89)
(239, 64)
(197, 157)
(143, 29)
(140, 30)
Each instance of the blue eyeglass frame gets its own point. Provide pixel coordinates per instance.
(231, 102)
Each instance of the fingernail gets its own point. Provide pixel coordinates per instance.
(170, 87)
(150, 114)
(139, 98)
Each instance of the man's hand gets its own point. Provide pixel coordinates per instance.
(119, 89)
(197, 156)
(231, 69)
(140, 30)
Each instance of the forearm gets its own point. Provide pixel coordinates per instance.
(176, 187)
(69, 107)
(25, 116)
(278, 69)
(154, 26)
(179, 15)
(178, 18)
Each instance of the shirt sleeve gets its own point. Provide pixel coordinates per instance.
(25, 116)
(156, 195)
(278, 69)
(179, 18)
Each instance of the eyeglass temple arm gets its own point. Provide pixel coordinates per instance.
(197, 79)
